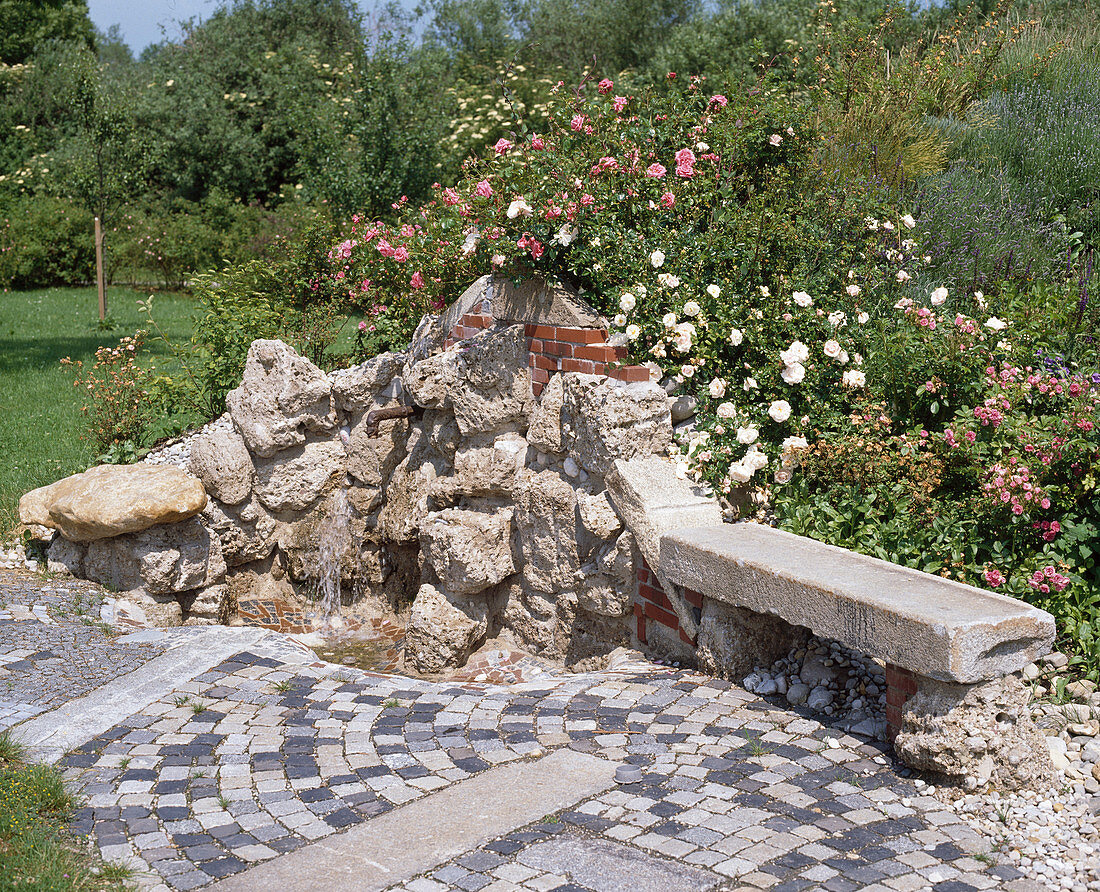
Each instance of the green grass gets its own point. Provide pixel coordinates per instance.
(40, 439)
(35, 852)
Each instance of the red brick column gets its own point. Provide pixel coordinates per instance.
(651, 603)
(901, 684)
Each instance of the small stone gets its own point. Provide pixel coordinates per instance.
(1084, 729)
(570, 467)
(1057, 748)
(797, 693)
(1056, 660)
(819, 698)
(1030, 671)
(1081, 689)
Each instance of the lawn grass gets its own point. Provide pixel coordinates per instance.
(35, 852)
(40, 435)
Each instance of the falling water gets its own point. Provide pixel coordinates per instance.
(333, 541)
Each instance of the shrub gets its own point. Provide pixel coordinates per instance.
(45, 242)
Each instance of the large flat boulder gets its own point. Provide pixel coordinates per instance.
(111, 500)
(934, 627)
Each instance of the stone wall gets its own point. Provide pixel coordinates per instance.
(481, 511)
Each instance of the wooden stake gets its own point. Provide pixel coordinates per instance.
(99, 270)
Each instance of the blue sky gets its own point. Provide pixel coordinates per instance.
(149, 21)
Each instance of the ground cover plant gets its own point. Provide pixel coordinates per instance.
(35, 851)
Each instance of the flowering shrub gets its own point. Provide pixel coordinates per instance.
(698, 222)
(118, 406)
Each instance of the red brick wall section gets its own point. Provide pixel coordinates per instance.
(553, 349)
(901, 684)
(651, 604)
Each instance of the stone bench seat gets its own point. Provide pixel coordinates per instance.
(934, 627)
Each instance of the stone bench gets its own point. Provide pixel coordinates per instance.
(933, 627)
(733, 596)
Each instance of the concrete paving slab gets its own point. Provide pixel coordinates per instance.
(51, 735)
(398, 845)
(606, 866)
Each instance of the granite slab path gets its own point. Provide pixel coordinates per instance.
(252, 765)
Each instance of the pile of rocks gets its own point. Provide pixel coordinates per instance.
(845, 687)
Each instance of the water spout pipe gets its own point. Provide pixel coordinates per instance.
(377, 416)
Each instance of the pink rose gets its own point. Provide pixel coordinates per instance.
(668, 200)
(537, 142)
(605, 86)
(619, 103)
(577, 123)
(656, 171)
(502, 146)
(401, 254)
(417, 281)
(483, 189)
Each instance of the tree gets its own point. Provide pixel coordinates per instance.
(26, 23)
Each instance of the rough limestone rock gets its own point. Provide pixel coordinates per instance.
(206, 607)
(443, 629)
(370, 385)
(546, 518)
(483, 470)
(293, 480)
(163, 560)
(544, 431)
(486, 382)
(604, 419)
(468, 550)
(64, 556)
(282, 395)
(598, 515)
(163, 611)
(245, 532)
(111, 500)
(220, 459)
(371, 459)
(427, 339)
(951, 728)
(733, 641)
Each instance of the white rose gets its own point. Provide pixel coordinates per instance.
(669, 320)
(657, 258)
(871, 223)
(726, 410)
(853, 290)
(518, 208)
(780, 411)
(790, 444)
(755, 459)
(739, 473)
(863, 318)
(793, 373)
(832, 349)
(843, 358)
(627, 302)
(939, 296)
(750, 384)
(566, 235)
(908, 222)
(691, 308)
(765, 291)
(632, 332)
(802, 299)
(854, 378)
(682, 342)
(903, 276)
(714, 291)
(782, 476)
(687, 370)
(736, 337)
(887, 225)
(619, 320)
(837, 318)
(717, 388)
(995, 324)
(797, 352)
(669, 280)
(747, 435)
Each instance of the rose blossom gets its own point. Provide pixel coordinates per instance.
(657, 258)
(714, 291)
(656, 171)
(938, 297)
(627, 302)
(736, 337)
(780, 411)
(717, 388)
(802, 299)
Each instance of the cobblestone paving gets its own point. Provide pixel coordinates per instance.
(52, 647)
(255, 758)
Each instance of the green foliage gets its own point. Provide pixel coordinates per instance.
(45, 241)
(28, 23)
